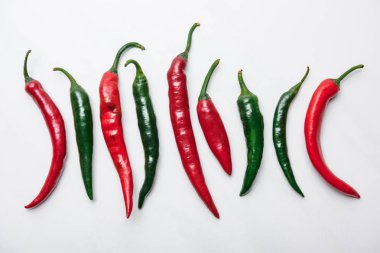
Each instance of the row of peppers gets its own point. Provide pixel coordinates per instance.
(209, 119)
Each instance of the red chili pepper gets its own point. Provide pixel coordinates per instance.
(56, 126)
(110, 118)
(322, 95)
(212, 125)
(181, 122)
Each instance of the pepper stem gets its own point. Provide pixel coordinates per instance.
(67, 74)
(298, 85)
(337, 81)
(203, 94)
(121, 51)
(137, 65)
(26, 75)
(243, 87)
(185, 54)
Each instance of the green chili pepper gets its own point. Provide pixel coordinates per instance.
(81, 107)
(279, 132)
(253, 124)
(148, 129)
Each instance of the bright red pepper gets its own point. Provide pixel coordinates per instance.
(181, 122)
(56, 126)
(322, 95)
(110, 118)
(212, 125)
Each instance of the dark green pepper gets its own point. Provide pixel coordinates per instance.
(81, 107)
(279, 132)
(148, 129)
(253, 124)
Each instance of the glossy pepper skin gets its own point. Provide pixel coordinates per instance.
(81, 107)
(253, 125)
(212, 125)
(279, 132)
(110, 118)
(322, 95)
(56, 126)
(182, 128)
(147, 127)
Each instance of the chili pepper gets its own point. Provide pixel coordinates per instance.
(147, 127)
(56, 126)
(322, 95)
(182, 128)
(279, 132)
(110, 118)
(82, 113)
(212, 125)
(253, 125)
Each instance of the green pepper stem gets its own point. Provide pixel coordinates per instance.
(298, 85)
(26, 75)
(137, 65)
(185, 54)
(121, 51)
(306, 74)
(203, 94)
(67, 74)
(243, 87)
(339, 79)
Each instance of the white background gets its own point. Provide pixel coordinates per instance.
(273, 41)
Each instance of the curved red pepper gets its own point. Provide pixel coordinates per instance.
(322, 95)
(56, 126)
(110, 118)
(183, 131)
(212, 125)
